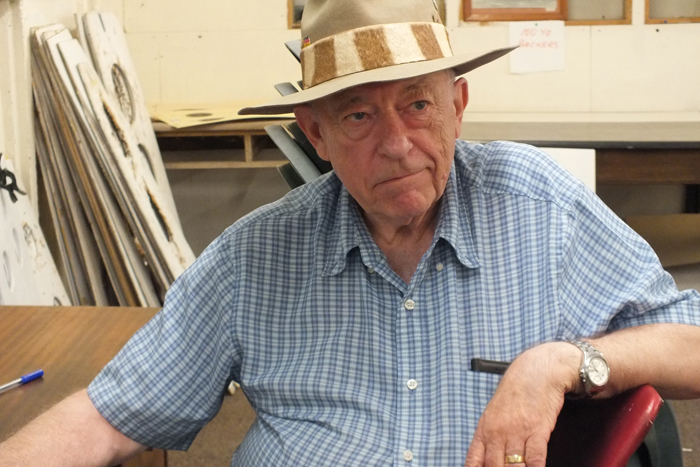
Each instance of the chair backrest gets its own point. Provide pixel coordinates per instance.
(605, 432)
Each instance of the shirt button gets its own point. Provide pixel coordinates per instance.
(412, 384)
(408, 455)
(409, 304)
(439, 267)
(370, 270)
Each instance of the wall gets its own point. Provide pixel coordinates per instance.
(17, 17)
(223, 50)
(231, 50)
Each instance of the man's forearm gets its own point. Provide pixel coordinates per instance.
(667, 356)
(71, 433)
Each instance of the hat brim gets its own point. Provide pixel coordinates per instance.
(460, 64)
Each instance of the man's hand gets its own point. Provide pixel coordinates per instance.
(522, 413)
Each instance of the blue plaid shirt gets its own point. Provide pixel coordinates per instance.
(343, 362)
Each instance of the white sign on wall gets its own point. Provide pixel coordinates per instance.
(541, 48)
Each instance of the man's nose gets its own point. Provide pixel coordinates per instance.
(394, 136)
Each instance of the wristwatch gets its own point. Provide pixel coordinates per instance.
(594, 371)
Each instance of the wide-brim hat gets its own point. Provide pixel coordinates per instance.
(347, 43)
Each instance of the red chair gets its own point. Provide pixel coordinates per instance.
(605, 432)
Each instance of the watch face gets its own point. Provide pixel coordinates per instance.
(598, 372)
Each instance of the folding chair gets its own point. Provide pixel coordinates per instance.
(616, 432)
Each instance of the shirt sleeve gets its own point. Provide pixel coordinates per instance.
(169, 380)
(611, 278)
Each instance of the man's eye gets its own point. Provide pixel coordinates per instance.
(356, 117)
(420, 105)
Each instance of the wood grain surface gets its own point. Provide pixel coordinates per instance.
(71, 345)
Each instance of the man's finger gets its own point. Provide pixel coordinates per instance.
(514, 451)
(475, 455)
(536, 451)
(495, 455)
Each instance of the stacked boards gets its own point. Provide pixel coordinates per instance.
(118, 234)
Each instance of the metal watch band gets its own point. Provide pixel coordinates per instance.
(589, 352)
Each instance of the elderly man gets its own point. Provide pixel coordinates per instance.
(349, 310)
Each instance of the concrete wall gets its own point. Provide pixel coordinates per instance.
(231, 50)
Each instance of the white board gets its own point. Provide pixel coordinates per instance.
(28, 273)
(579, 162)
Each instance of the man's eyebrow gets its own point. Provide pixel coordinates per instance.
(345, 101)
(417, 88)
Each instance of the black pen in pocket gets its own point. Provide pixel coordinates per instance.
(489, 366)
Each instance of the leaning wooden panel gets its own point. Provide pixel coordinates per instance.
(131, 261)
(164, 231)
(92, 189)
(29, 275)
(67, 249)
(113, 63)
(86, 261)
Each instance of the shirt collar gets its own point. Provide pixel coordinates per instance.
(346, 236)
(454, 222)
(453, 226)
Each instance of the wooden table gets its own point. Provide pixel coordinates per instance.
(71, 345)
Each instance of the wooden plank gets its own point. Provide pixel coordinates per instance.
(205, 165)
(69, 230)
(620, 166)
(66, 244)
(88, 267)
(91, 185)
(235, 128)
(133, 272)
(248, 148)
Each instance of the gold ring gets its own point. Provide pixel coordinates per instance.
(515, 459)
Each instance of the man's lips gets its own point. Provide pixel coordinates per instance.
(400, 177)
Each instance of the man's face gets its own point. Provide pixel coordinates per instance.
(391, 144)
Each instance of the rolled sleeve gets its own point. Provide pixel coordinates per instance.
(170, 378)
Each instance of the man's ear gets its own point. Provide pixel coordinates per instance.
(461, 99)
(307, 118)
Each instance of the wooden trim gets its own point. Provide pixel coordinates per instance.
(290, 16)
(513, 14)
(597, 22)
(672, 20)
(646, 11)
(648, 166)
(648, 20)
(605, 22)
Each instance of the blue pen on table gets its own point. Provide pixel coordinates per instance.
(23, 380)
